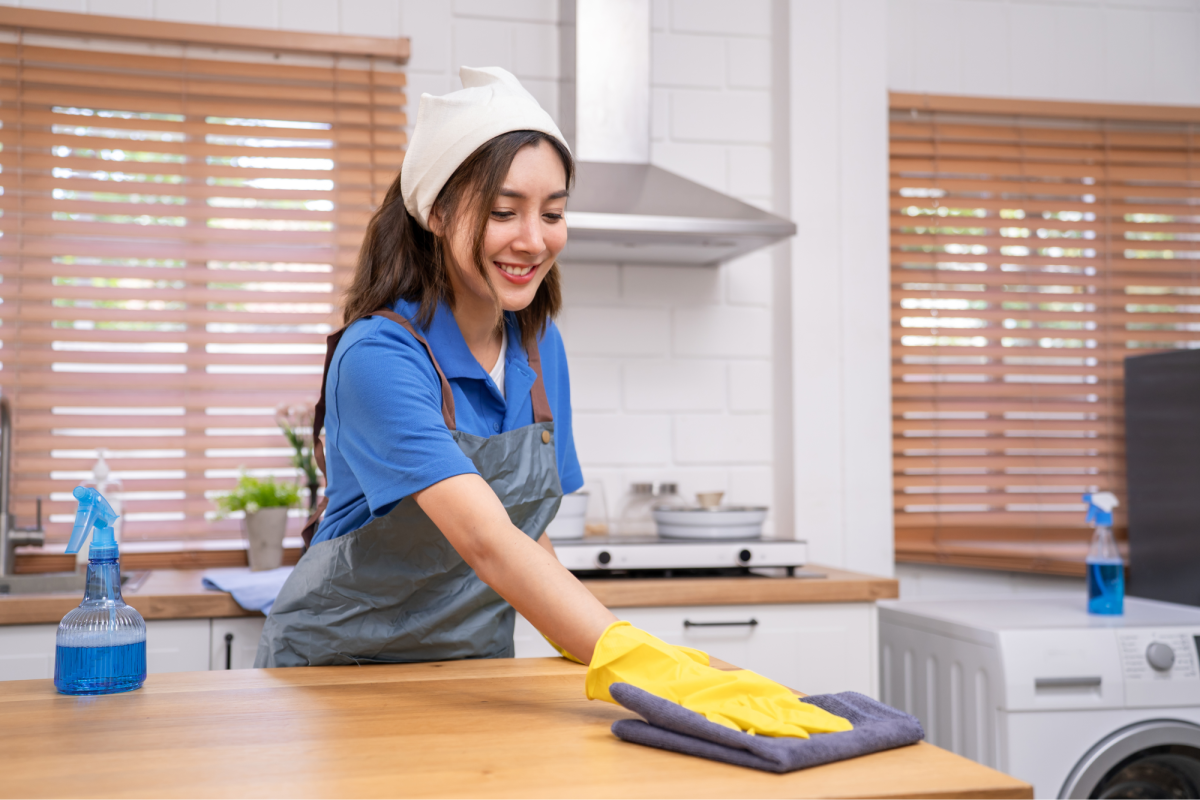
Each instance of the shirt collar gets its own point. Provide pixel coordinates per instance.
(450, 348)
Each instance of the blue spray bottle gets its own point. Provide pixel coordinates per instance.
(102, 643)
(1105, 571)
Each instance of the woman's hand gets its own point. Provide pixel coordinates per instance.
(522, 571)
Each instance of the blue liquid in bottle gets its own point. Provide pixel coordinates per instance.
(100, 670)
(1106, 587)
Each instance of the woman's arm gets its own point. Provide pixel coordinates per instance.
(524, 573)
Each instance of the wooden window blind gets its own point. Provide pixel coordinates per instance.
(177, 224)
(1035, 246)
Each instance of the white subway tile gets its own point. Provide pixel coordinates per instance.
(77, 6)
(482, 43)
(1081, 53)
(742, 116)
(751, 486)
(643, 284)
(660, 114)
(985, 69)
(143, 9)
(750, 170)
(607, 440)
(318, 16)
(722, 439)
(749, 386)
(370, 17)
(1129, 59)
(527, 10)
(936, 44)
(674, 385)
(687, 60)
(717, 331)
(535, 50)
(1032, 43)
(1176, 58)
(702, 163)
(248, 13)
(659, 14)
(429, 27)
(545, 92)
(616, 331)
(749, 279)
(590, 284)
(749, 63)
(202, 11)
(900, 46)
(745, 17)
(595, 384)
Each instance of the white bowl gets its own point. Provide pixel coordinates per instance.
(568, 522)
(732, 522)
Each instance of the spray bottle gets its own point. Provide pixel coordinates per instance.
(1105, 571)
(101, 645)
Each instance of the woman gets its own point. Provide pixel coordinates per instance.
(447, 415)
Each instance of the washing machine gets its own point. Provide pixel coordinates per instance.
(1075, 704)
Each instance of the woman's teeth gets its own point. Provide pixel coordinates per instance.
(513, 269)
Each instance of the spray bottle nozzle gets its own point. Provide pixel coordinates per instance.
(94, 513)
(1100, 507)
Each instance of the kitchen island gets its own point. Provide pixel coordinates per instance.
(496, 728)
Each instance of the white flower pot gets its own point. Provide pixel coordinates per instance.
(265, 529)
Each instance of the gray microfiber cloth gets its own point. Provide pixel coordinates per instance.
(670, 726)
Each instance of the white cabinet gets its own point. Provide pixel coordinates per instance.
(811, 647)
(234, 642)
(172, 645)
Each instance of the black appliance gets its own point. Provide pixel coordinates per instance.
(1162, 454)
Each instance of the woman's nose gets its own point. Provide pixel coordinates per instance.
(529, 238)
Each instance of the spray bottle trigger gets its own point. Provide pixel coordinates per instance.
(94, 513)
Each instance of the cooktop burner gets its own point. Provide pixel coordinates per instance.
(612, 554)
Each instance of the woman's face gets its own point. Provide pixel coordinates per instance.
(526, 231)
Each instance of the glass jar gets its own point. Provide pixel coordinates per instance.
(635, 518)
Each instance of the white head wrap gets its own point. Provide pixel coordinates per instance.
(452, 127)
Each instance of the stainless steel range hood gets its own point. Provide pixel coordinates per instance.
(622, 208)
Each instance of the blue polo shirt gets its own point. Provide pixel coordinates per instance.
(385, 437)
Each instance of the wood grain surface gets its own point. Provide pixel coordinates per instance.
(497, 728)
(178, 594)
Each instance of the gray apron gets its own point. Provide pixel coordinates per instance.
(395, 590)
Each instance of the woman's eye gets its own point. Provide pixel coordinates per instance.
(553, 217)
(503, 215)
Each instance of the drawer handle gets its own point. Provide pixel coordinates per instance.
(1084, 682)
(229, 651)
(687, 623)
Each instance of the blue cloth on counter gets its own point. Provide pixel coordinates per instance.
(670, 726)
(253, 591)
(385, 438)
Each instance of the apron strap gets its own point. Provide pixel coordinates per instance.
(537, 393)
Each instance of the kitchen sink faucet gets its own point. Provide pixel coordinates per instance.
(12, 537)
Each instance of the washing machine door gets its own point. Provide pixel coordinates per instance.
(1155, 758)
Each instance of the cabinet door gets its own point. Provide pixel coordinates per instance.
(529, 643)
(810, 647)
(27, 652)
(235, 642)
(177, 645)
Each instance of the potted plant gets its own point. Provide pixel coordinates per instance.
(296, 422)
(266, 505)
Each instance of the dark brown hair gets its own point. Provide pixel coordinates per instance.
(400, 259)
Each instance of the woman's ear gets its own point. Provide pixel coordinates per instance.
(435, 223)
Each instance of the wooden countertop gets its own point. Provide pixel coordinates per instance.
(487, 728)
(178, 594)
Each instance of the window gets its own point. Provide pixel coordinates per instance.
(1035, 246)
(177, 223)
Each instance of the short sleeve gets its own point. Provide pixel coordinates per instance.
(386, 397)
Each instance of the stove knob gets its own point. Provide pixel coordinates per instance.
(604, 557)
(1161, 656)
(744, 556)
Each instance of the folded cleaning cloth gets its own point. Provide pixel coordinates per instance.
(672, 727)
(253, 591)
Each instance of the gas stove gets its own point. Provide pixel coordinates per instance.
(651, 555)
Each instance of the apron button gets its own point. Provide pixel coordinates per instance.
(545, 437)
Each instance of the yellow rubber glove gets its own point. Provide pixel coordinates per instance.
(699, 656)
(740, 699)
